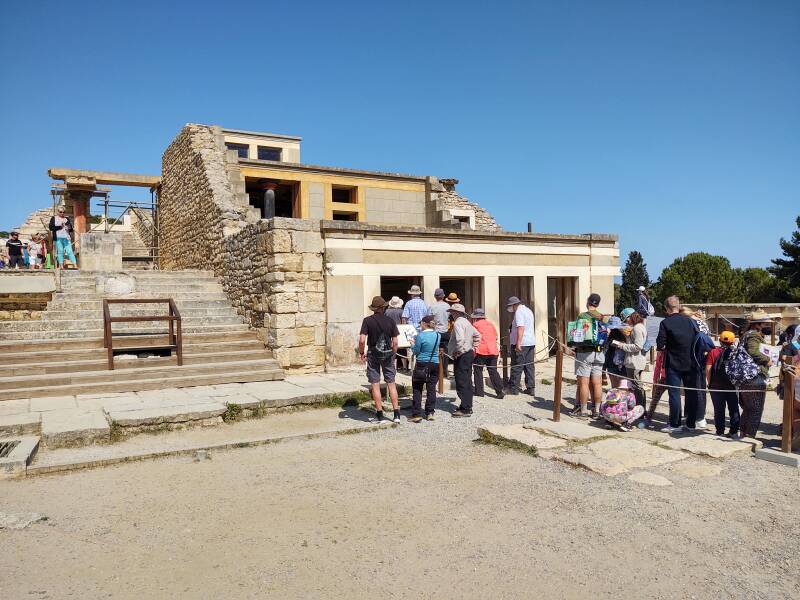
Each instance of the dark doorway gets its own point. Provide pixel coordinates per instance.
(398, 286)
(286, 194)
(562, 294)
(469, 290)
(522, 288)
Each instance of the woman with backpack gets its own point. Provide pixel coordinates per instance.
(723, 393)
(753, 391)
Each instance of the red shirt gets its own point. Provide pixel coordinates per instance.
(488, 344)
(713, 354)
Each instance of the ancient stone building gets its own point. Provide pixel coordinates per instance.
(304, 277)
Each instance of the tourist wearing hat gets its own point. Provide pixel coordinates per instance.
(438, 310)
(753, 393)
(486, 354)
(644, 307)
(452, 298)
(15, 256)
(589, 363)
(464, 339)
(377, 346)
(676, 335)
(523, 346)
(415, 308)
(723, 393)
(426, 371)
(395, 310)
(633, 347)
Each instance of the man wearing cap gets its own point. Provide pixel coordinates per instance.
(523, 346)
(441, 317)
(486, 354)
(415, 308)
(589, 362)
(377, 347)
(464, 339)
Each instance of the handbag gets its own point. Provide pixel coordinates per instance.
(420, 373)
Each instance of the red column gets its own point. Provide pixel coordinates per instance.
(80, 209)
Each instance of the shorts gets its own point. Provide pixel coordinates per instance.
(589, 364)
(16, 261)
(374, 366)
(34, 260)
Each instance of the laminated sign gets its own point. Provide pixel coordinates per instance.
(581, 331)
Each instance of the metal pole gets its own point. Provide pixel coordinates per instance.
(788, 406)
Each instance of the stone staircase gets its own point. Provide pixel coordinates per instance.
(62, 353)
(135, 254)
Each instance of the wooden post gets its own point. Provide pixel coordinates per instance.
(788, 406)
(441, 371)
(772, 329)
(559, 379)
(652, 355)
(504, 352)
(716, 323)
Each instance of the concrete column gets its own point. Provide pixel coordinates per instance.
(429, 285)
(491, 298)
(372, 288)
(540, 314)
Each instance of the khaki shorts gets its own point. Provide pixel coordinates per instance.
(589, 364)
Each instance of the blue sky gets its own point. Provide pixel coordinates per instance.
(675, 125)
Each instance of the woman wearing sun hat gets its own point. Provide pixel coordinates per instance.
(753, 393)
(634, 361)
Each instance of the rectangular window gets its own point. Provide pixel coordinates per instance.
(344, 216)
(269, 153)
(344, 194)
(243, 150)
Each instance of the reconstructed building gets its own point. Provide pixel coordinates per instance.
(303, 278)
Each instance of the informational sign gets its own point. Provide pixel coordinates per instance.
(407, 335)
(773, 352)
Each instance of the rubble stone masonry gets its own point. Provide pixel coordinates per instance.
(271, 269)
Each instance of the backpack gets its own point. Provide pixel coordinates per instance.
(645, 308)
(383, 347)
(587, 334)
(718, 375)
(702, 345)
(740, 366)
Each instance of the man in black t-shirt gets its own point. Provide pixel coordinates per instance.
(14, 245)
(377, 346)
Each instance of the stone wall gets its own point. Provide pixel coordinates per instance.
(23, 307)
(142, 225)
(443, 196)
(275, 279)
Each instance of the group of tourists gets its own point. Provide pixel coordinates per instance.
(444, 332)
(33, 254)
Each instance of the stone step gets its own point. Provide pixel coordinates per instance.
(36, 356)
(99, 362)
(83, 276)
(95, 333)
(81, 324)
(137, 383)
(69, 298)
(133, 341)
(97, 305)
(157, 289)
(126, 310)
(58, 380)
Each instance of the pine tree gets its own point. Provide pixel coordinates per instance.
(788, 269)
(633, 275)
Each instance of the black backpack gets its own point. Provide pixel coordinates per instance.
(719, 376)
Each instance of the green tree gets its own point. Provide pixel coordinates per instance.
(633, 275)
(788, 269)
(761, 286)
(700, 277)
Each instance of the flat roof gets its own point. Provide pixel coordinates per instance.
(109, 178)
(275, 164)
(282, 136)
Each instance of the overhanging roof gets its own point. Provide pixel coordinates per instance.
(83, 177)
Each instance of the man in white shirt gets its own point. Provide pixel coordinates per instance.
(523, 347)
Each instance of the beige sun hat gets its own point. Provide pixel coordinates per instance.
(759, 316)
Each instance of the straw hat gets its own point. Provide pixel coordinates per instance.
(759, 316)
(415, 291)
(458, 308)
(395, 302)
(452, 298)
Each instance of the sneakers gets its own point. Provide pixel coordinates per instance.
(379, 419)
(671, 429)
(500, 395)
(702, 424)
(396, 419)
(462, 413)
(415, 419)
(430, 417)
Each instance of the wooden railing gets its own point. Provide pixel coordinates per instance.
(175, 340)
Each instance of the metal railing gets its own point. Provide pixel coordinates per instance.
(175, 339)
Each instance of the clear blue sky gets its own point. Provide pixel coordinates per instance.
(675, 124)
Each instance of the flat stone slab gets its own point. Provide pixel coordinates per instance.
(9, 521)
(140, 417)
(20, 424)
(519, 434)
(707, 445)
(570, 430)
(13, 407)
(52, 403)
(772, 455)
(15, 463)
(695, 469)
(648, 478)
(73, 427)
(633, 453)
(587, 460)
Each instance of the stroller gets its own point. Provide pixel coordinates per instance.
(619, 407)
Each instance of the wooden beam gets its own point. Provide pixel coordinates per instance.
(103, 177)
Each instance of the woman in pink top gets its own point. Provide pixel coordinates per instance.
(486, 354)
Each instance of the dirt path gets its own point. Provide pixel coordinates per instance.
(421, 511)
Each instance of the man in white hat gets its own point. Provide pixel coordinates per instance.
(644, 307)
(415, 308)
(464, 340)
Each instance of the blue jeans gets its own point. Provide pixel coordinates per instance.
(64, 245)
(688, 379)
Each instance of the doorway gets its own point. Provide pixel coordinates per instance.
(286, 196)
(469, 290)
(522, 288)
(398, 286)
(562, 294)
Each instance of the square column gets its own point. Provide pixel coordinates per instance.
(491, 298)
(540, 312)
(372, 288)
(429, 285)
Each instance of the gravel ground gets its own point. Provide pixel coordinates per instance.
(419, 511)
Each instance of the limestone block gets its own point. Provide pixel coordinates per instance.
(274, 277)
(306, 241)
(298, 336)
(282, 321)
(312, 262)
(310, 319)
(283, 303)
(279, 241)
(285, 262)
(311, 302)
(314, 286)
(319, 335)
(290, 287)
(307, 356)
(648, 478)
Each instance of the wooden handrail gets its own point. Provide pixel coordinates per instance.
(174, 317)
